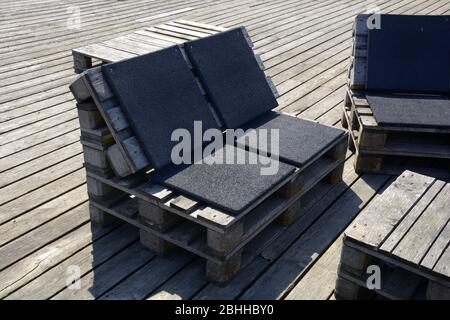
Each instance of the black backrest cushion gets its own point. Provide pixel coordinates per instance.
(158, 94)
(232, 78)
(410, 54)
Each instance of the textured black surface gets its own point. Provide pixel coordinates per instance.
(299, 140)
(228, 187)
(411, 111)
(410, 54)
(231, 76)
(158, 94)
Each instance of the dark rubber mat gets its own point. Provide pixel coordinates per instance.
(158, 94)
(299, 140)
(410, 54)
(228, 187)
(231, 76)
(410, 111)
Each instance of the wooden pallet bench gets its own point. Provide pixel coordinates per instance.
(384, 149)
(405, 231)
(374, 144)
(119, 188)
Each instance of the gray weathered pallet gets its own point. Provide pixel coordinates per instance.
(373, 143)
(407, 228)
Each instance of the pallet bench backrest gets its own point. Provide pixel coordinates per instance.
(158, 93)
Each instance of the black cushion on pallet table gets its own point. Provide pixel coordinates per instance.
(228, 187)
(410, 111)
(158, 94)
(300, 141)
(231, 75)
(410, 54)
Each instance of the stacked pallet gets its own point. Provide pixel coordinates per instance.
(382, 148)
(402, 238)
(119, 188)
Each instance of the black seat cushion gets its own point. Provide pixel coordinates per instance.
(410, 54)
(228, 187)
(410, 111)
(158, 94)
(300, 141)
(232, 78)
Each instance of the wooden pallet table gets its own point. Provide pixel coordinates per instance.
(405, 231)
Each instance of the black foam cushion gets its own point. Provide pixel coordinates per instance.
(232, 78)
(300, 141)
(158, 94)
(411, 111)
(228, 187)
(410, 54)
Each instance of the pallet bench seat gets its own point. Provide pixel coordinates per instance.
(167, 219)
(121, 186)
(405, 232)
(378, 145)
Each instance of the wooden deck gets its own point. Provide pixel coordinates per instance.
(44, 220)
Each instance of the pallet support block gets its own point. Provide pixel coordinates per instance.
(347, 290)
(90, 119)
(337, 153)
(81, 62)
(101, 218)
(117, 161)
(354, 261)
(101, 191)
(291, 214)
(436, 291)
(221, 274)
(219, 243)
(79, 90)
(371, 140)
(156, 216)
(154, 243)
(293, 187)
(95, 157)
(365, 163)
